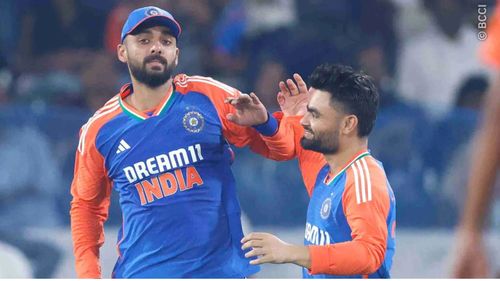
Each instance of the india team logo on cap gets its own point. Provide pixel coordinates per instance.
(193, 121)
(152, 12)
(325, 208)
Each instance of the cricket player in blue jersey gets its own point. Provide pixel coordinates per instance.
(351, 217)
(161, 143)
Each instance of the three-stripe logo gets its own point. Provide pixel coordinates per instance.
(362, 181)
(122, 146)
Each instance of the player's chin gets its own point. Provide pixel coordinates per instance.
(308, 143)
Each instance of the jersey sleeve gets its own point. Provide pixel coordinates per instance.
(91, 190)
(366, 205)
(266, 139)
(490, 49)
(310, 162)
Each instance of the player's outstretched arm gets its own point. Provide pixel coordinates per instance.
(91, 190)
(471, 260)
(268, 137)
(293, 98)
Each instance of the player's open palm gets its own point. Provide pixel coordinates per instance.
(266, 247)
(293, 96)
(249, 110)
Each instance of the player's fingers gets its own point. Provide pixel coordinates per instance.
(293, 88)
(252, 244)
(281, 98)
(283, 88)
(251, 236)
(232, 117)
(254, 252)
(255, 98)
(300, 83)
(244, 99)
(260, 260)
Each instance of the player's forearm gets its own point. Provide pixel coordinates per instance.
(484, 165)
(347, 258)
(87, 264)
(299, 255)
(87, 234)
(480, 187)
(278, 146)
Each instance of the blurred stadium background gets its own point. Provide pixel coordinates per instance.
(58, 65)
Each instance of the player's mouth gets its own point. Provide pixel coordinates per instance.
(155, 61)
(308, 134)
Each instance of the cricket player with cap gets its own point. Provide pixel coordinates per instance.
(162, 143)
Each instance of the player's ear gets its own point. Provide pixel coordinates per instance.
(121, 52)
(349, 124)
(177, 52)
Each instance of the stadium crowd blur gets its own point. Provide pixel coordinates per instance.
(58, 65)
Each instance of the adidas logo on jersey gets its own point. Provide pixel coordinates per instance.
(122, 147)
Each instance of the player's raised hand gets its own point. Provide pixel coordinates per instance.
(293, 96)
(249, 110)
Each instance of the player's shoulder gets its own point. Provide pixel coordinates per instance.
(204, 85)
(490, 50)
(90, 129)
(366, 179)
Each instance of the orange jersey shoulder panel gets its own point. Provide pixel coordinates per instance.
(217, 92)
(275, 147)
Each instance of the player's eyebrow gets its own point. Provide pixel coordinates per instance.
(312, 110)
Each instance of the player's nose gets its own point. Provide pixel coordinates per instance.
(304, 121)
(156, 48)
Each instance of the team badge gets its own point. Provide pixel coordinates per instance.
(152, 12)
(325, 208)
(193, 121)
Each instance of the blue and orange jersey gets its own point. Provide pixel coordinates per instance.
(351, 217)
(171, 169)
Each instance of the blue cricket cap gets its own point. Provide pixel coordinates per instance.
(150, 14)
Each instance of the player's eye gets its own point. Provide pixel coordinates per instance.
(144, 41)
(167, 42)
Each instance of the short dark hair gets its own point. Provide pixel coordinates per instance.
(355, 92)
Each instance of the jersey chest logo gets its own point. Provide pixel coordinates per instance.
(326, 208)
(193, 121)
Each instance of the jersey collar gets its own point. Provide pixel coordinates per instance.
(329, 178)
(127, 90)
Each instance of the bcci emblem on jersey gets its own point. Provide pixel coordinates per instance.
(325, 208)
(193, 121)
